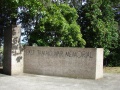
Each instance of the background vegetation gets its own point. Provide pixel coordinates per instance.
(66, 23)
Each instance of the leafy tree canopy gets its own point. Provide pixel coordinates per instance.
(98, 26)
(57, 27)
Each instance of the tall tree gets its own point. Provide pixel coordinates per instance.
(114, 58)
(57, 27)
(98, 26)
(8, 15)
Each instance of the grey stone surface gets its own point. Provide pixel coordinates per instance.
(38, 82)
(13, 55)
(65, 62)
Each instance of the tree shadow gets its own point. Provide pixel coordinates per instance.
(1, 70)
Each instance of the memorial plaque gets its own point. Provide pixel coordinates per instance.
(64, 61)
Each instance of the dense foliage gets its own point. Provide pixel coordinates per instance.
(53, 23)
(98, 26)
(114, 58)
(8, 15)
(8, 12)
(57, 27)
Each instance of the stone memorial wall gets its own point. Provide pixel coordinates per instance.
(64, 61)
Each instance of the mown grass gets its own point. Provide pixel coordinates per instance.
(111, 69)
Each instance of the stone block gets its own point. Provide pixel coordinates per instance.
(64, 61)
(13, 53)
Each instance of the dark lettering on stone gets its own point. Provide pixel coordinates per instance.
(30, 52)
(48, 53)
(74, 54)
(79, 54)
(83, 54)
(43, 52)
(68, 54)
(61, 53)
(39, 52)
(58, 53)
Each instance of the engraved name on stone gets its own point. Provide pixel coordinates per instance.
(58, 54)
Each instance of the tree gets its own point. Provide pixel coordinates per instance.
(28, 15)
(98, 26)
(8, 12)
(116, 8)
(8, 15)
(57, 27)
(114, 58)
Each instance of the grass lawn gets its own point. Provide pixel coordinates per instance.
(111, 69)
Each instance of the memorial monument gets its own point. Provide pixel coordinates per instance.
(54, 61)
(64, 61)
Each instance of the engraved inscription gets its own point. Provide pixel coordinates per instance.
(54, 53)
(29, 52)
